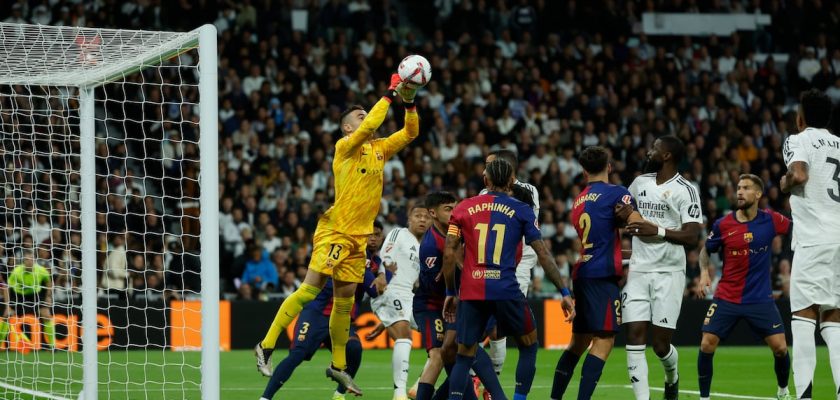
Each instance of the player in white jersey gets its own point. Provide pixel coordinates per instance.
(528, 194)
(813, 180)
(400, 253)
(653, 294)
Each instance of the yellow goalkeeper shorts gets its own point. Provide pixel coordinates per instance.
(339, 255)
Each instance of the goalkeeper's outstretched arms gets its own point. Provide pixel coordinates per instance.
(411, 129)
(357, 135)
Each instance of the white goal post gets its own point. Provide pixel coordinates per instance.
(108, 140)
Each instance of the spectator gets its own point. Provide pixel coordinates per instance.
(115, 276)
(260, 272)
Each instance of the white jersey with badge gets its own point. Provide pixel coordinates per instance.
(402, 248)
(669, 205)
(815, 208)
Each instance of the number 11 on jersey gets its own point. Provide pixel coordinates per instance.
(482, 242)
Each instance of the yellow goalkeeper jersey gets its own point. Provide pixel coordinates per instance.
(358, 168)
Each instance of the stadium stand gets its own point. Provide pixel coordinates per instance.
(535, 77)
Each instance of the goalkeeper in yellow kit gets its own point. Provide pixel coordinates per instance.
(341, 236)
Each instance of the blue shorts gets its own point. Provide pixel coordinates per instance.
(431, 326)
(514, 317)
(764, 318)
(597, 306)
(313, 330)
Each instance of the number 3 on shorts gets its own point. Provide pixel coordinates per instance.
(335, 251)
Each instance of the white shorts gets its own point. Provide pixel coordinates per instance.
(653, 296)
(393, 306)
(815, 277)
(523, 271)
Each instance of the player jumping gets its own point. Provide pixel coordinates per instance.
(528, 194)
(743, 239)
(438, 336)
(492, 226)
(312, 327)
(596, 274)
(813, 180)
(341, 236)
(393, 306)
(653, 294)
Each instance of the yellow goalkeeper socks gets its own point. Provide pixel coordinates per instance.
(288, 311)
(49, 332)
(4, 330)
(340, 330)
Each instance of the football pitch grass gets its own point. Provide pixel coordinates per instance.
(740, 373)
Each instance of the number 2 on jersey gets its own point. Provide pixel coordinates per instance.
(482, 242)
(585, 223)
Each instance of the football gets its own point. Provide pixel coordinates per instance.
(415, 69)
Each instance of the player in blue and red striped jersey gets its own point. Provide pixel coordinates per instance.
(491, 227)
(438, 336)
(313, 325)
(743, 239)
(597, 215)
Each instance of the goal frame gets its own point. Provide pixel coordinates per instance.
(205, 39)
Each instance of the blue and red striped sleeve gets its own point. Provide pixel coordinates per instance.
(715, 239)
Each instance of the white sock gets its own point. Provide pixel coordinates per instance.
(671, 364)
(399, 366)
(497, 353)
(705, 398)
(831, 334)
(782, 391)
(638, 369)
(804, 353)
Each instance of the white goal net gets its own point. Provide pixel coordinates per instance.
(108, 227)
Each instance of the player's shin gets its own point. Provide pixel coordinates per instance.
(354, 360)
(804, 354)
(638, 369)
(563, 373)
(525, 370)
(483, 368)
(399, 366)
(340, 330)
(283, 372)
(498, 353)
(49, 331)
(705, 370)
(458, 380)
(4, 330)
(288, 311)
(590, 373)
(781, 365)
(830, 332)
(670, 363)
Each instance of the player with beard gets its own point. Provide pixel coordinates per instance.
(743, 239)
(653, 294)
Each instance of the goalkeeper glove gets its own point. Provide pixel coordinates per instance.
(395, 81)
(407, 91)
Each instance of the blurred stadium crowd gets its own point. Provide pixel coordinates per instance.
(533, 76)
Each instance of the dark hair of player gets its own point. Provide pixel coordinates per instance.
(499, 172)
(815, 106)
(348, 111)
(755, 180)
(435, 199)
(594, 159)
(675, 146)
(377, 224)
(417, 204)
(508, 156)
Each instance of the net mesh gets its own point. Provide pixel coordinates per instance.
(147, 211)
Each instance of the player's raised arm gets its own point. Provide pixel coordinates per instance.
(401, 138)
(372, 121)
